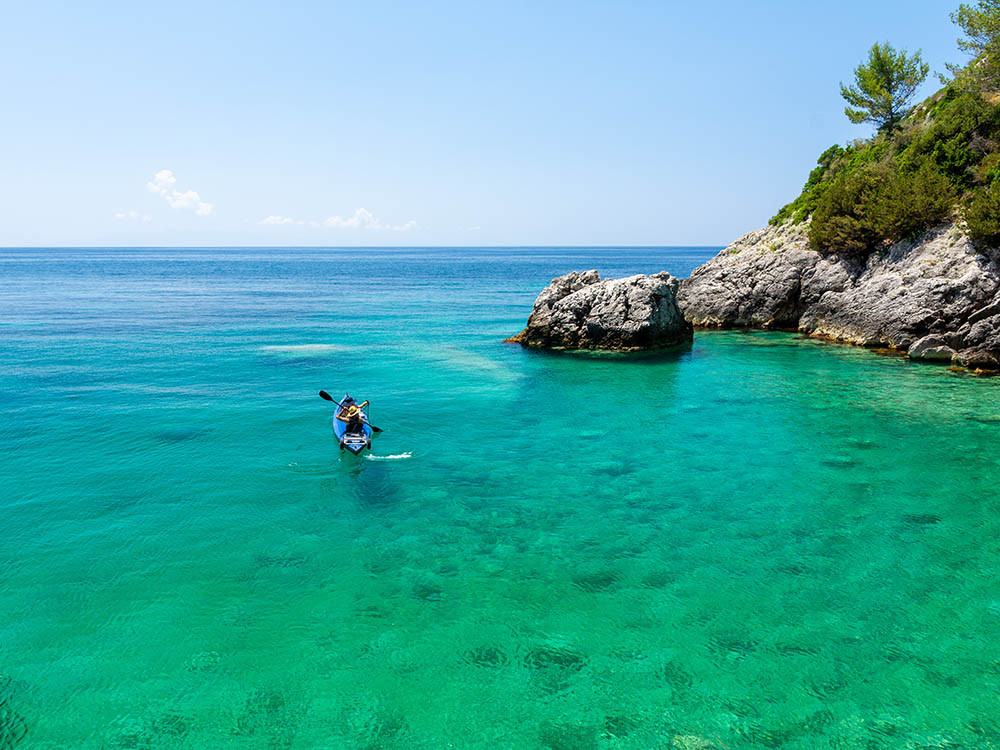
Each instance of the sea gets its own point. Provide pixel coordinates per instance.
(757, 541)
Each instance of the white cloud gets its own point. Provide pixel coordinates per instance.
(132, 216)
(163, 184)
(360, 219)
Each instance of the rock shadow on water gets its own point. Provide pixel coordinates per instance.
(670, 354)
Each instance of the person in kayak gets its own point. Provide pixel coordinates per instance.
(353, 416)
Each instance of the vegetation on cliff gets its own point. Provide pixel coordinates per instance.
(925, 165)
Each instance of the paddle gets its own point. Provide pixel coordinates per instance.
(328, 397)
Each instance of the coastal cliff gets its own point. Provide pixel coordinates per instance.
(937, 297)
(892, 243)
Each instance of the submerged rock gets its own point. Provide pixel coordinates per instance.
(580, 311)
(936, 298)
(932, 347)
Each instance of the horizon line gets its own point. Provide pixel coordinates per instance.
(342, 247)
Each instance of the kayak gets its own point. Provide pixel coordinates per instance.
(355, 442)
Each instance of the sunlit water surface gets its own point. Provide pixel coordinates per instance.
(760, 541)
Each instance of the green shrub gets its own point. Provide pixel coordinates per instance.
(843, 220)
(957, 120)
(982, 214)
(989, 169)
(901, 183)
(876, 204)
(910, 203)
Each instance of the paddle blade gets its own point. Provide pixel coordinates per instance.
(374, 428)
(327, 396)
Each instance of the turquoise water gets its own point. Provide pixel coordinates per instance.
(761, 541)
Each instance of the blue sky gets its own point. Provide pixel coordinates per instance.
(426, 123)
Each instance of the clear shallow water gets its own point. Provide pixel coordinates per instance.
(763, 541)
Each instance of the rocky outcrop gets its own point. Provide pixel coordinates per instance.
(937, 298)
(579, 311)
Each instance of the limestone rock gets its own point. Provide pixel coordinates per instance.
(931, 286)
(579, 311)
(931, 347)
(935, 298)
(754, 283)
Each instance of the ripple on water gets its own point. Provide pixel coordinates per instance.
(554, 669)
(546, 657)
(491, 657)
(678, 678)
(204, 661)
(619, 726)
(267, 715)
(732, 645)
(279, 560)
(559, 736)
(602, 580)
(166, 730)
(13, 727)
(370, 723)
(428, 591)
(181, 435)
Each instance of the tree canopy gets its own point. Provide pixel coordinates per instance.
(884, 85)
(981, 24)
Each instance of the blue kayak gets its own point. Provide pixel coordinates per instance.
(355, 441)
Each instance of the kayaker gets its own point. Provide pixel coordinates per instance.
(353, 416)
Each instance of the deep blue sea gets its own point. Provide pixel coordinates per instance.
(759, 541)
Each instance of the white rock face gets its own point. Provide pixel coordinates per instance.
(937, 298)
(579, 311)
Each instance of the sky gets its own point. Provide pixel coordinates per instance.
(409, 124)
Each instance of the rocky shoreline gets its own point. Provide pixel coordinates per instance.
(936, 298)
